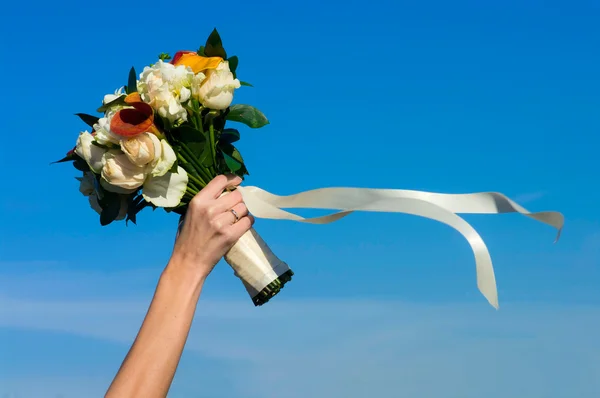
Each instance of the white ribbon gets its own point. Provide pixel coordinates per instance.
(435, 206)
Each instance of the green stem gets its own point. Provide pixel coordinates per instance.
(194, 179)
(189, 194)
(213, 149)
(200, 126)
(191, 158)
(199, 183)
(211, 132)
(198, 122)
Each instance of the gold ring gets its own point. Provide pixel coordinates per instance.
(237, 217)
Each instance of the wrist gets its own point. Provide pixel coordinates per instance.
(185, 273)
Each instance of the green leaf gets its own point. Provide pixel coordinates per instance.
(248, 115)
(68, 158)
(206, 157)
(118, 101)
(131, 217)
(232, 157)
(233, 64)
(214, 46)
(192, 138)
(232, 164)
(242, 83)
(164, 56)
(111, 206)
(201, 51)
(132, 82)
(229, 136)
(134, 205)
(88, 119)
(195, 141)
(80, 164)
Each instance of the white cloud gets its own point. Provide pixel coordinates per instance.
(356, 348)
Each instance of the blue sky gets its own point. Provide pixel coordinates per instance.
(455, 98)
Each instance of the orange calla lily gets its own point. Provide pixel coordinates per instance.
(197, 62)
(178, 55)
(133, 121)
(133, 98)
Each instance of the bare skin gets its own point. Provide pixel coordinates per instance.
(209, 231)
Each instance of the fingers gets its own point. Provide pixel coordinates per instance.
(241, 227)
(227, 201)
(241, 210)
(229, 217)
(218, 184)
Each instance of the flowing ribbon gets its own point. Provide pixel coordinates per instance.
(435, 206)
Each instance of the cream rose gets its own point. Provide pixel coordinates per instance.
(142, 149)
(92, 154)
(119, 172)
(216, 90)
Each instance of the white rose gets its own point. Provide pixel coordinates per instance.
(119, 172)
(197, 83)
(104, 135)
(216, 91)
(142, 149)
(167, 105)
(92, 154)
(165, 87)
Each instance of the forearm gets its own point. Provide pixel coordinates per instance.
(213, 223)
(150, 365)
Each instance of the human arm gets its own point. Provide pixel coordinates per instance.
(209, 231)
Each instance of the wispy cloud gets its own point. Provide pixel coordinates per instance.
(360, 348)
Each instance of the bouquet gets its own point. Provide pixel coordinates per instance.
(161, 138)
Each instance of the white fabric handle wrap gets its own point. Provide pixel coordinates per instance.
(254, 263)
(435, 206)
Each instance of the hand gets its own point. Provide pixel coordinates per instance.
(210, 228)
